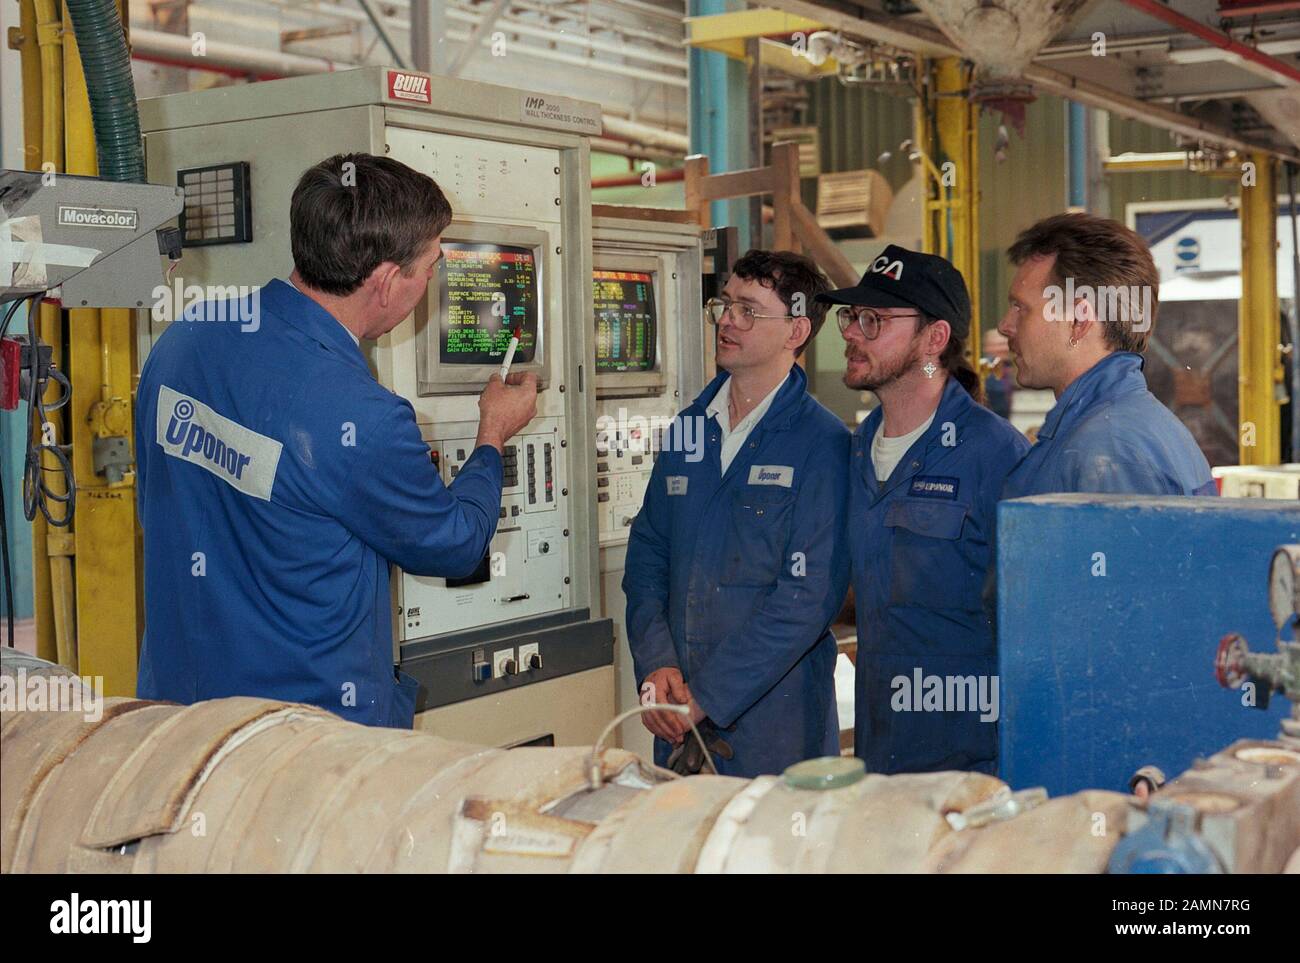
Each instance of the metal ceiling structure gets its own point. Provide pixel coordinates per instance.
(1220, 74)
(1204, 69)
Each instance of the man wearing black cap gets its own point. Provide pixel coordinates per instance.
(926, 470)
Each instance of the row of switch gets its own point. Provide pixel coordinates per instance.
(548, 474)
(504, 662)
(510, 464)
(603, 466)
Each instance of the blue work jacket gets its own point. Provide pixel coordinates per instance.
(277, 480)
(922, 546)
(1109, 434)
(735, 579)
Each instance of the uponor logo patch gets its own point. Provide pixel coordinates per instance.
(782, 475)
(190, 430)
(935, 486)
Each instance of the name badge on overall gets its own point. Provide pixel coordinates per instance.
(782, 475)
(934, 486)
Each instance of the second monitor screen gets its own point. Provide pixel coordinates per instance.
(625, 321)
(487, 290)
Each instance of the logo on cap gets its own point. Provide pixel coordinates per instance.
(890, 269)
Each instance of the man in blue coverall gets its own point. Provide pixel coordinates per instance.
(737, 561)
(1082, 307)
(926, 469)
(278, 479)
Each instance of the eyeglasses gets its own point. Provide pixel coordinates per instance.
(868, 320)
(742, 315)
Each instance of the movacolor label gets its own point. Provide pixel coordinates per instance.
(190, 430)
(97, 217)
(404, 86)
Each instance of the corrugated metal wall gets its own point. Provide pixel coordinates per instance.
(858, 124)
(1131, 135)
(1014, 193)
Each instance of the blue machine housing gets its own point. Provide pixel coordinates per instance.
(1101, 674)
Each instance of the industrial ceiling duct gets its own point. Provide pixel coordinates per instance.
(1001, 37)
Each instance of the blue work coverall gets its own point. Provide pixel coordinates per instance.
(735, 579)
(277, 480)
(921, 548)
(1109, 434)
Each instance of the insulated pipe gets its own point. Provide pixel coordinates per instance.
(254, 785)
(635, 180)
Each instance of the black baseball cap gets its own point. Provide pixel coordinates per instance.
(900, 278)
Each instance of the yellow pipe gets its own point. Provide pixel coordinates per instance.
(1142, 163)
(51, 573)
(29, 53)
(1260, 375)
(49, 36)
(921, 137)
(958, 144)
(106, 569)
(56, 544)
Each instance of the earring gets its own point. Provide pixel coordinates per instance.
(1074, 342)
(930, 368)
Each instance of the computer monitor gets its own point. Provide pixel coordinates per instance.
(626, 320)
(488, 284)
(627, 295)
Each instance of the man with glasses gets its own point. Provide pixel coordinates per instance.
(926, 470)
(737, 561)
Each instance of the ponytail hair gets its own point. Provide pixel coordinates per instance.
(954, 361)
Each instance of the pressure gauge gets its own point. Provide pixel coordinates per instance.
(1284, 585)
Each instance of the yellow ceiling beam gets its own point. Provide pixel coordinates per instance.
(727, 32)
(782, 57)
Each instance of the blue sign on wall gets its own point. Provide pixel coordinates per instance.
(1188, 252)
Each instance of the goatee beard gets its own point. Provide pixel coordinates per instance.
(876, 380)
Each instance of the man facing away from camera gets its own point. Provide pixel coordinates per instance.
(278, 479)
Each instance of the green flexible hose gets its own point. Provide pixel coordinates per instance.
(107, 63)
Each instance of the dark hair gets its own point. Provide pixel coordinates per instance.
(352, 212)
(790, 275)
(954, 360)
(1099, 254)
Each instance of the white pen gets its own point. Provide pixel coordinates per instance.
(510, 352)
